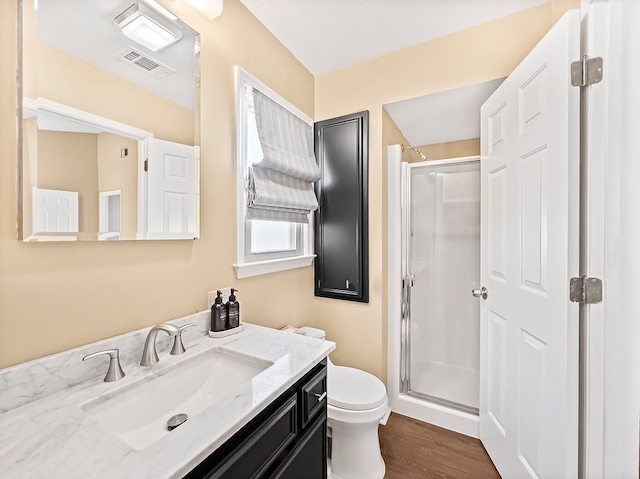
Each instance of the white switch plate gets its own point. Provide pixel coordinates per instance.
(212, 295)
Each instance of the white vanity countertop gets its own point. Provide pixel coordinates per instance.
(53, 437)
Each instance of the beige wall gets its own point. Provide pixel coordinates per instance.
(55, 296)
(116, 172)
(69, 162)
(443, 151)
(474, 55)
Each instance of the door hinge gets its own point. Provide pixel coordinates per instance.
(587, 71)
(585, 290)
(146, 165)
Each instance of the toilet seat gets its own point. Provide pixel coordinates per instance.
(354, 390)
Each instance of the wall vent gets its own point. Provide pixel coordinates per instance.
(145, 63)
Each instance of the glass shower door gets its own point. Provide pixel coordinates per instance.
(442, 340)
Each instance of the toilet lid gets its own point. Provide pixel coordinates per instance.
(353, 389)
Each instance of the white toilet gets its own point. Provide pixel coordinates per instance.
(357, 401)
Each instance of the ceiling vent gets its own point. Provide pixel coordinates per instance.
(145, 63)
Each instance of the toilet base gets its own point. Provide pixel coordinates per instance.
(330, 475)
(355, 451)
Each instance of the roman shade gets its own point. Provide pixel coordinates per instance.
(280, 186)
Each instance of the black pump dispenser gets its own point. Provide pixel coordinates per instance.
(233, 310)
(218, 315)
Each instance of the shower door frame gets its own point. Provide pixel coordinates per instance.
(408, 279)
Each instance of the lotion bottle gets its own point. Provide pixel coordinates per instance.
(218, 315)
(233, 310)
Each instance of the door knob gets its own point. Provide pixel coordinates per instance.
(480, 293)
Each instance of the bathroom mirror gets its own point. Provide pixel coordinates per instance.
(110, 122)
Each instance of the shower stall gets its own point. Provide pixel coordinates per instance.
(434, 263)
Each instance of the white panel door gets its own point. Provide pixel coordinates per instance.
(55, 211)
(171, 189)
(529, 251)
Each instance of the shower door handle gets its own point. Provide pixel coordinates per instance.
(480, 293)
(408, 282)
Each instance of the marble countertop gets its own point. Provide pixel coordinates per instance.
(51, 436)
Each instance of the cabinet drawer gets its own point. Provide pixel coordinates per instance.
(313, 397)
(262, 448)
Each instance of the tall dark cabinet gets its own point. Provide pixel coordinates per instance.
(341, 225)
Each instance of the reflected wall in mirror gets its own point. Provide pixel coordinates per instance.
(110, 122)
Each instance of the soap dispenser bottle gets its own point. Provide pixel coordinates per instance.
(218, 315)
(233, 310)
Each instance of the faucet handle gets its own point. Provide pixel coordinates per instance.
(115, 372)
(178, 346)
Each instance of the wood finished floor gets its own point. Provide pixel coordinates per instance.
(413, 449)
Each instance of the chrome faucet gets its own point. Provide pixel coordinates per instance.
(149, 353)
(115, 372)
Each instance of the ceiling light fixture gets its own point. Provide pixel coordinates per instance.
(209, 8)
(142, 25)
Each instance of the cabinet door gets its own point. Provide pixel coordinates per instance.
(309, 460)
(263, 448)
(341, 229)
(255, 448)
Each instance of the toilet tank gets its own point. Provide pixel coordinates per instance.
(305, 331)
(311, 332)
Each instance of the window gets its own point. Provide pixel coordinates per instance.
(262, 246)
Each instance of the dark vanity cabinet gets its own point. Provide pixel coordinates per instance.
(288, 440)
(341, 222)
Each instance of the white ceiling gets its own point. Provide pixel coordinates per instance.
(451, 115)
(327, 35)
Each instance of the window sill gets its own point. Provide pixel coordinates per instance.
(247, 270)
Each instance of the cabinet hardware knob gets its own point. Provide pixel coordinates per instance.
(320, 396)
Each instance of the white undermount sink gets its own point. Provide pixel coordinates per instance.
(138, 412)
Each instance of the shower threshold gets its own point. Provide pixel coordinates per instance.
(443, 402)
